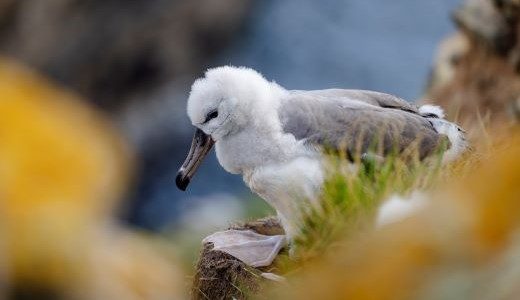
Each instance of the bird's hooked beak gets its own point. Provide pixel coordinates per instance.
(200, 146)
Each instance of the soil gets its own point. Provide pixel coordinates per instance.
(222, 276)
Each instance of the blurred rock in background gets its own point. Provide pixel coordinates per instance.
(477, 73)
(112, 51)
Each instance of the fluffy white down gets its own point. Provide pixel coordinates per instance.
(397, 208)
(432, 109)
(245, 90)
(291, 188)
(274, 164)
(456, 136)
(454, 133)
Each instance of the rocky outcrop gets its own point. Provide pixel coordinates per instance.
(477, 71)
(112, 50)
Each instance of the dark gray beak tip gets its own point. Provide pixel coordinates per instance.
(200, 146)
(182, 181)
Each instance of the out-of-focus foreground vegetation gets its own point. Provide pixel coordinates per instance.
(463, 244)
(62, 170)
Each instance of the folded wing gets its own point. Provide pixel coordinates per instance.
(358, 122)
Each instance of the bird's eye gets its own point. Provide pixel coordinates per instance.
(211, 115)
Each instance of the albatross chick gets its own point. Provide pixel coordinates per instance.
(275, 139)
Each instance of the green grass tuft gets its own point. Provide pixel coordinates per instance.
(353, 192)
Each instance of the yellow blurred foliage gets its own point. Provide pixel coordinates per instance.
(459, 247)
(62, 168)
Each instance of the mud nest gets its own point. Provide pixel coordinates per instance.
(222, 276)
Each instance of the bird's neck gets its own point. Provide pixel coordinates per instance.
(261, 142)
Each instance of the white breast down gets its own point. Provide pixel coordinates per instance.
(290, 188)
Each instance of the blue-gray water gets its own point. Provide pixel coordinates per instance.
(378, 45)
(369, 44)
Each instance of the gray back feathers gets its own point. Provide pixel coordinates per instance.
(358, 122)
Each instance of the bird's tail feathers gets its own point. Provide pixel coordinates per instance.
(456, 135)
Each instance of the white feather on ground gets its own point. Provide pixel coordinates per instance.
(397, 208)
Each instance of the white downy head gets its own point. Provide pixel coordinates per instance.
(227, 99)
